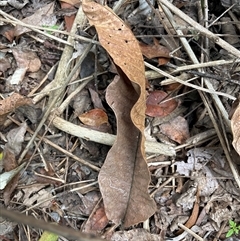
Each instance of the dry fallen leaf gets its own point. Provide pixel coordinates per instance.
(154, 51)
(68, 19)
(4, 64)
(13, 147)
(94, 117)
(6, 177)
(195, 212)
(157, 109)
(71, 2)
(124, 177)
(10, 104)
(97, 220)
(176, 129)
(137, 234)
(42, 17)
(26, 58)
(235, 124)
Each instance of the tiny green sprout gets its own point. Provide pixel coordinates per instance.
(54, 27)
(234, 229)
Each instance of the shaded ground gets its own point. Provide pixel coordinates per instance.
(50, 82)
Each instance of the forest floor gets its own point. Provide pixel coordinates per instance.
(121, 122)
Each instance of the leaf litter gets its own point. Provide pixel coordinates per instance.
(139, 194)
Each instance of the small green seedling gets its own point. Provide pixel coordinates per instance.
(234, 229)
(54, 27)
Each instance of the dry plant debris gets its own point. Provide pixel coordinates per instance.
(117, 120)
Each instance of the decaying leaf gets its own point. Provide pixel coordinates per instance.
(94, 117)
(41, 196)
(42, 17)
(10, 104)
(176, 129)
(235, 124)
(97, 220)
(157, 109)
(13, 147)
(68, 19)
(15, 138)
(4, 64)
(193, 218)
(124, 177)
(154, 51)
(197, 159)
(139, 234)
(26, 59)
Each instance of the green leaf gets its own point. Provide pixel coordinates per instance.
(229, 233)
(232, 224)
(47, 236)
(54, 27)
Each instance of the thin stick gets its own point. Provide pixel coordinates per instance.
(38, 30)
(60, 80)
(59, 230)
(203, 65)
(221, 139)
(60, 148)
(228, 47)
(186, 83)
(190, 232)
(193, 57)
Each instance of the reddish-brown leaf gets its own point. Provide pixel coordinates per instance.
(157, 109)
(235, 124)
(10, 104)
(68, 19)
(163, 61)
(124, 177)
(26, 59)
(154, 51)
(176, 129)
(71, 2)
(94, 117)
(97, 220)
(193, 218)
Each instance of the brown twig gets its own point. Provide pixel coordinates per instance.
(59, 230)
